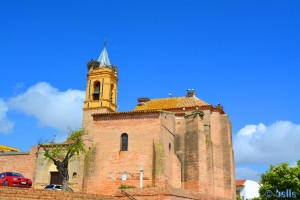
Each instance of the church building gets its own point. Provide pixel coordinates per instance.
(179, 142)
(182, 142)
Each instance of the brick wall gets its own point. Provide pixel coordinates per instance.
(172, 166)
(204, 148)
(222, 155)
(88, 125)
(191, 154)
(206, 174)
(150, 145)
(156, 193)
(23, 163)
(108, 163)
(165, 193)
(194, 153)
(9, 193)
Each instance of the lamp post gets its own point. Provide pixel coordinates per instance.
(141, 177)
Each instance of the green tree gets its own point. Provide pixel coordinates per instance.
(281, 180)
(61, 153)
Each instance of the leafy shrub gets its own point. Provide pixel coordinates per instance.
(126, 186)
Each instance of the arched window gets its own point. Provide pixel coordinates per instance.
(124, 142)
(96, 92)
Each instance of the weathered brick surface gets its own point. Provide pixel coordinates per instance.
(24, 163)
(193, 153)
(155, 193)
(145, 132)
(10, 193)
(165, 193)
(190, 152)
(222, 155)
(204, 148)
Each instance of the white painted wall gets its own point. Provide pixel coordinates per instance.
(249, 190)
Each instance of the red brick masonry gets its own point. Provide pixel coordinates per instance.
(156, 193)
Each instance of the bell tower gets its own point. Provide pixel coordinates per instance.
(101, 87)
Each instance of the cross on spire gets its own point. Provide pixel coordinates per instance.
(104, 41)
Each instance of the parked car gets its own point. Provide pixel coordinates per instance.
(53, 187)
(56, 187)
(14, 179)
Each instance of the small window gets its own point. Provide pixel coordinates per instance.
(124, 142)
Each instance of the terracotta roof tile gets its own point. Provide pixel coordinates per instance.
(8, 149)
(240, 182)
(169, 103)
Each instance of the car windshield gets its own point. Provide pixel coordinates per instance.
(14, 174)
(49, 186)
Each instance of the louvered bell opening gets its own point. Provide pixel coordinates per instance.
(96, 92)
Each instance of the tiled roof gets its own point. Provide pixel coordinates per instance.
(240, 182)
(8, 149)
(169, 103)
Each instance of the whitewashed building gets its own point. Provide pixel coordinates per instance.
(247, 189)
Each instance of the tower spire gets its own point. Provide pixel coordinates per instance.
(103, 58)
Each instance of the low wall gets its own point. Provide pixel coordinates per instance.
(155, 193)
(11, 193)
(164, 193)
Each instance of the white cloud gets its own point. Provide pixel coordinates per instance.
(245, 173)
(6, 126)
(261, 144)
(60, 110)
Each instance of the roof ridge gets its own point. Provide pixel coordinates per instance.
(174, 97)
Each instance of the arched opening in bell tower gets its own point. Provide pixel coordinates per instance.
(96, 93)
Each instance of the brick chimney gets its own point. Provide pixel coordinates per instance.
(190, 93)
(142, 100)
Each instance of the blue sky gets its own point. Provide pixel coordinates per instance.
(243, 54)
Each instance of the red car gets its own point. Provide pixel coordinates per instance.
(14, 179)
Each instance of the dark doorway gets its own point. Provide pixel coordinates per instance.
(55, 178)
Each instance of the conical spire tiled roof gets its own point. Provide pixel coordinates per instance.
(103, 58)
